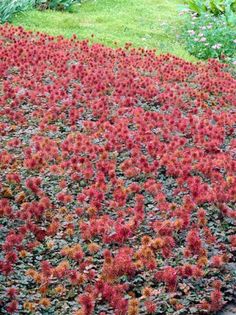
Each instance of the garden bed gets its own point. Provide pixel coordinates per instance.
(118, 183)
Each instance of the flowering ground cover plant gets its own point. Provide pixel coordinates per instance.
(118, 183)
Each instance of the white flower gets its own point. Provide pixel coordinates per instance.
(191, 32)
(201, 35)
(216, 46)
(184, 12)
(203, 39)
(234, 41)
(234, 62)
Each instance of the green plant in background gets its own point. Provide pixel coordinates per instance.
(215, 7)
(230, 11)
(60, 5)
(225, 7)
(198, 6)
(209, 36)
(9, 7)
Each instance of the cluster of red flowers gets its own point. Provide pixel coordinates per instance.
(119, 167)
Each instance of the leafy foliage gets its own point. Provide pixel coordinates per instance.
(215, 7)
(198, 6)
(60, 5)
(208, 36)
(118, 179)
(9, 7)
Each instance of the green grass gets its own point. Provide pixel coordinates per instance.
(145, 23)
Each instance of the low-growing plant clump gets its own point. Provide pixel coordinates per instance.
(215, 7)
(118, 183)
(208, 36)
(60, 5)
(9, 8)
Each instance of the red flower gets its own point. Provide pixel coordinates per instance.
(233, 240)
(12, 307)
(12, 292)
(169, 276)
(194, 242)
(87, 303)
(150, 307)
(217, 261)
(46, 268)
(216, 300)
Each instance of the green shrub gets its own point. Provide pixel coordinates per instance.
(60, 5)
(208, 36)
(198, 6)
(215, 7)
(9, 7)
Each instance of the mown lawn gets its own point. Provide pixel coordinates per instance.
(146, 23)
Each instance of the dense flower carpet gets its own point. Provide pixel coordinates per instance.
(118, 179)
